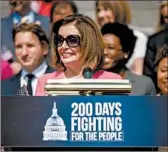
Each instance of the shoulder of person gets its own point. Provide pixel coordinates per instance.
(159, 34)
(48, 76)
(10, 81)
(140, 34)
(6, 81)
(6, 19)
(108, 75)
(147, 81)
(144, 82)
(41, 17)
(14, 78)
(140, 78)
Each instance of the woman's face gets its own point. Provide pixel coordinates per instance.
(113, 52)
(162, 76)
(69, 44)
(104, 14)
(164, 13)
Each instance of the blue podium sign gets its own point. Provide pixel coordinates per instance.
(85, 121)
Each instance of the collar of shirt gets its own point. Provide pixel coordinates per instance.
(17, 18)
(38, 72)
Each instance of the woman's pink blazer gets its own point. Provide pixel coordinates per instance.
(60, 75)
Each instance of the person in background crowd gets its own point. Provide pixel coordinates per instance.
(6, 70)
(21, 12)
(42, 7)
(61, 9)
(119, 45)
(163, 16)
(119, 11)
(31, 48)
(9, 69)
(156, 41)
(74, 49)
(8, 63)
(161, 66)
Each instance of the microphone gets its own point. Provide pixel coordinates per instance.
(87, 73)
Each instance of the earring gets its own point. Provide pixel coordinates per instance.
(125, 55)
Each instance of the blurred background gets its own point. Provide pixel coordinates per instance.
(144, 13)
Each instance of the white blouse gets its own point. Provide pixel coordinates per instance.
(140, 48)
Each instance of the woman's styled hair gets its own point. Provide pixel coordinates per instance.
(120, 9)
(160, 24)
(34, 28)
(55, 4)
(91, 41)
(161, 53)
(125, 35)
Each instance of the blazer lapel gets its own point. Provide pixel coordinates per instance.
(15, 83)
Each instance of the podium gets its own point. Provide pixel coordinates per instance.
(87, 87)
(28, 117)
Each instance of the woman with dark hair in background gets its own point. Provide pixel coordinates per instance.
(120, 11)
(161, 68)
(119, 45)
(61, 9)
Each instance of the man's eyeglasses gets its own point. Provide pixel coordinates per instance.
(71, 40)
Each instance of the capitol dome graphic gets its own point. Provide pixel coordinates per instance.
(55, 128)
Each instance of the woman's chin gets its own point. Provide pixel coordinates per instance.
(70, 62)
(108, 66)
(165, 91)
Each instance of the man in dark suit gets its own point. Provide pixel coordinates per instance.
(20, 11)
(155, 42)
(31, 48)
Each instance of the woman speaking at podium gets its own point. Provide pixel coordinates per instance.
(76, 44)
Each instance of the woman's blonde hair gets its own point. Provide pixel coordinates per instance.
(120, 9)
(91, 41)
(160, 24)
